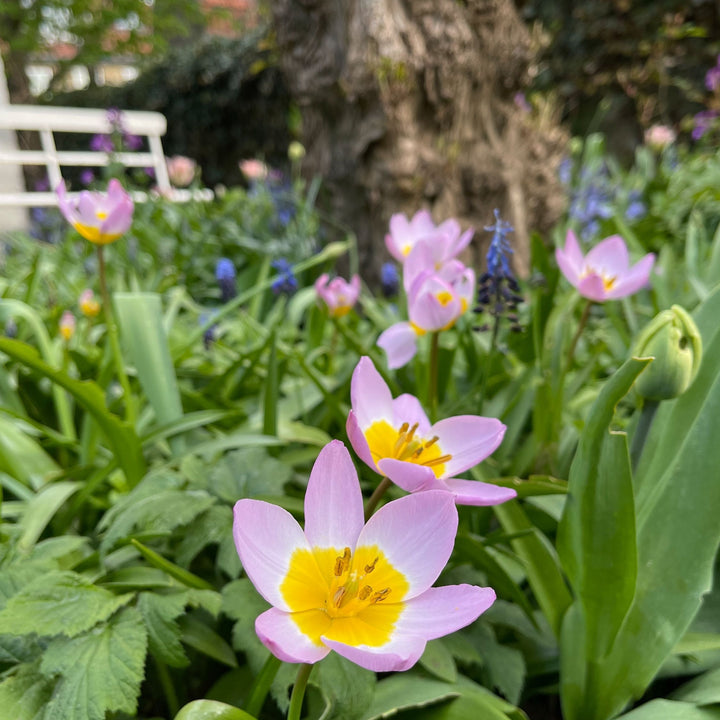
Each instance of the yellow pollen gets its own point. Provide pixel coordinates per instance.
(101, 215)
(444, 297)
(405, 444)
(342, 563)
(406, 249)
(344, 607)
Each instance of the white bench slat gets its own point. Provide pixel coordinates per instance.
(59, 119)
(49, 120)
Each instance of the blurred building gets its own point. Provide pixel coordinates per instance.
(226, 18)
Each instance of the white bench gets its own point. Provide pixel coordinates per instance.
(49, 120)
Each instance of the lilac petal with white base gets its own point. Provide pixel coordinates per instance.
(405, 233)
(605, 272)
(435, 302)
(437, 253)
(99, 217)
(446, 239)
(396, 439)
(361, 590)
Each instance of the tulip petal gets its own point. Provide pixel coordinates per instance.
(593, 288)
(359, 441)
(334, 513)
(442, 610)
(407, 408)
(399, 343)
(479, 494)
(634, 279)
(266, 537)
(435, 306)
(120, 218)
(397, 655)
(609, 257)
(570, 258)
(282, 637)
(417, 534)
(469, 439)
(370, 396)
(411, 477)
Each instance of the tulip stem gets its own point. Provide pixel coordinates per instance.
(578, 333)
(433, 376)
(298, 691)
(647, 415)
(262, 686)
(114, 340)
(375, 497)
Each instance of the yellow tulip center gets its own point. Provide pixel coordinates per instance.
(354, 598)
(608, 280)
(385, 441)
(444, 297)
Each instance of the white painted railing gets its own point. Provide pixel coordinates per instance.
(49, 120)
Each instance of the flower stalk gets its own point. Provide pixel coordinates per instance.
(114, 339)
(298, 691)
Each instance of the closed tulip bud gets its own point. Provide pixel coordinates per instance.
(673, 339)
(296, 151)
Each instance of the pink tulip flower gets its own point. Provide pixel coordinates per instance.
(339, 295)
(436, 253)
(99, 217)
(435, 302)
(404, 234)
(181, 170)
(605, 272)
(363, 590)
(67, 326)
(395, 438)
(89, 306)
(254, 169)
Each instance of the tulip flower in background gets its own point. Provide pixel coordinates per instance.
(605, 272)
(181, 170)
(338, 295)
(102, 218)
(435, 302)
(99, 217)
(67, 326)
(658, 137)
(254, 169)
(89, 306)
(404, 235)
(394, 437)
(362, 590)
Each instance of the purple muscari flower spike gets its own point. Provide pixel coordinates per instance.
(285, 282)
(225, 275)
(498, 292)
(102, 143)
(87, 177)
(565, 171)
(636, 207)
(132, 142)
(390, 279)
(712, 77)
(115, 118)
(703, 122)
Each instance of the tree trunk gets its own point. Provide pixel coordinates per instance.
(409, 104)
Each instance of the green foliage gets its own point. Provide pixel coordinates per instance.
(121, 591)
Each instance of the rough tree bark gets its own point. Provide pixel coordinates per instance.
(409, 104)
